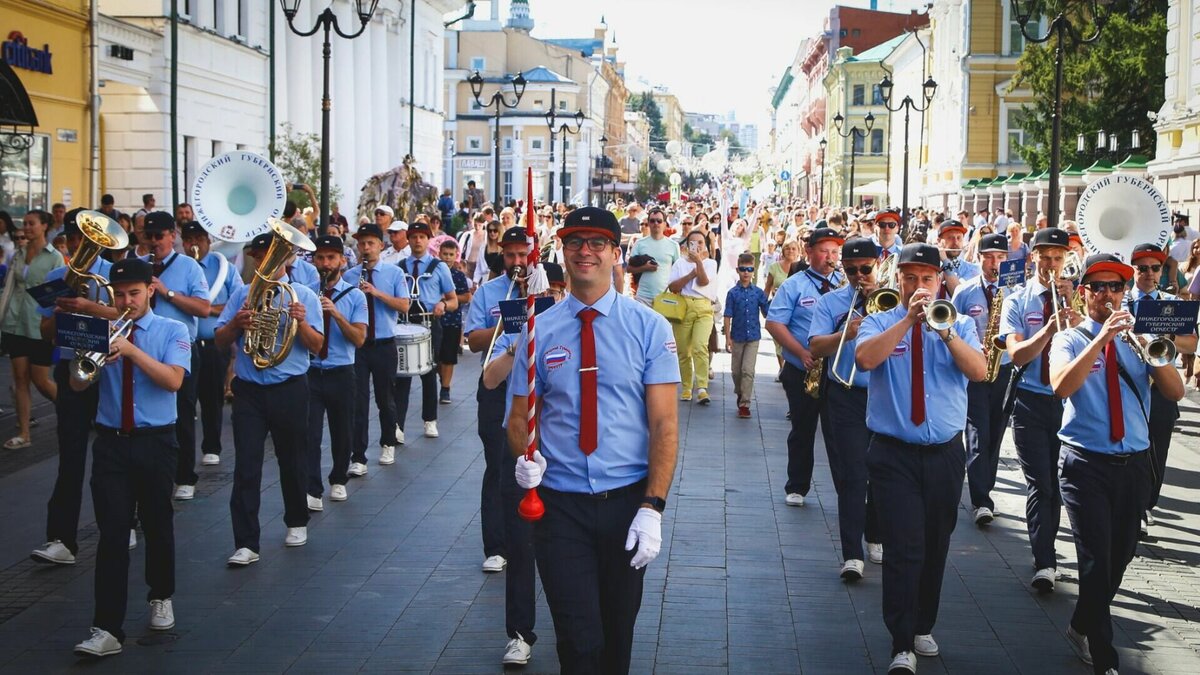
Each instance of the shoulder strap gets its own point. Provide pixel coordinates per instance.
(1125, 376)
(341, 295)
(219, 282)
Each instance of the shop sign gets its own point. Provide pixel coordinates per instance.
(68, 135)
(19, 54)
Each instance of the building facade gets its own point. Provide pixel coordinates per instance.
(908, 68)
(1176, 167)
(852, 89)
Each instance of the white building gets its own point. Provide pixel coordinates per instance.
(908, 68)
(1176, 167)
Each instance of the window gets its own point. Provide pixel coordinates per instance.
(855, 32)
(537, 103)
(189, 157)
(566, 186)
(475, 107)
(1015, 119)
(474, 143)
(562, 105)
(478, 63)
(857, 97)
(566, 145)
(185, 8)
(536, 143)
(218, 15)
(842, 33)
(243, 18)
(877, 141)
(508, 144)
(858, 143)
(24, 179)
(506, 179)
(876, 95)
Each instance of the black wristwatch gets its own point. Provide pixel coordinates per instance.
(657, 503)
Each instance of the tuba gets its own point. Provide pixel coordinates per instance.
(235, 196)
(100, 233)
(272, 330)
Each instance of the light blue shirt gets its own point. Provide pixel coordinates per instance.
(99, 266)
(184, 276)
(889, 410)
(1086, 421)
(304, 272)
(634, 348)
(966, 270)
(164, 340)
(352, 304)
(793, 306)
(1129, 302)
(970, 300)
(390, 280)
(829, 316)
(431, 286)
(484, 310)
(233, 281)
(894, 249)
(1022, 316)
(296, 362)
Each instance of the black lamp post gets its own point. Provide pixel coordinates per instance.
(927, 91)
(853, 133)
(1110, 143)
(564, 129)
(499, 102)
(821, 188)
(600, 167)
(326, 22)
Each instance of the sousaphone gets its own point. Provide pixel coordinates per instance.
(1118, 212)
(236, 195)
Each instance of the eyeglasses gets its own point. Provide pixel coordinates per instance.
(654, 220)
(887, 224)
(595, 244)
(860, 271)
(1142, 269)
(745, 269)
(493, 230)
(1110, 286)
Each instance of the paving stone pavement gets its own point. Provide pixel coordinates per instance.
(390, 579)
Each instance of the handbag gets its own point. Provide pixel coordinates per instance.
(670, 305)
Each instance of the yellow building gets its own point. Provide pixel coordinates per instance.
(45, 46)
(673, 115)
(852, 90)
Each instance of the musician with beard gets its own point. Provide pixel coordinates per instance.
(955, 267)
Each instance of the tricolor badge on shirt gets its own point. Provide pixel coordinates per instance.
(556, 356)
(974, 310)
(900, 350)
(1034, 318)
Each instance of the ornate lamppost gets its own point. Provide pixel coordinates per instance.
(499, 102)
(853, 133)
(907, 105)
(556, 128)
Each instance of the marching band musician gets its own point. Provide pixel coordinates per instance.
(432, 283)
(788, 322)
(269, 400)
(70, 406)
(1106, 471)
(213, 363)
(375, 361)
(133, 463)
(847, 406)
(975, 298)
(887, 234)
(331, 371)
(1027, 325)
(916, 459)
(180, 293)
(1148, 261)
(482, 326)
(955, 267)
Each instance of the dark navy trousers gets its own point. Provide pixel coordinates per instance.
(1163, 414)
(328, 393)
(73, 409)
(490, 417)
(185, 424)
(520, 592)
(846, 410)
(374, 365)
(805, 412)
(1036, 421)
(985, 431)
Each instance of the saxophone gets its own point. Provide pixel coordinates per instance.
(993, 348)
(812, 381)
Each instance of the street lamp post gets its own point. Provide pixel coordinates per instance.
(499, 102)
(853, 133)
(564, 129)
(326, 22)
(600, 167)
(821, 188)
(927, 91)
(1108, 142)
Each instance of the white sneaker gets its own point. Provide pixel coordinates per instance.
(242, 557)
(982, 515)
(875, 553)
(387, 455)
(185, 492)
(1079, 643)
(210, 459)
(517, 652)
(904, 662)
(852, 570)
(102, 643)
(431, 429)
(296, 536)
(357, 469)
(399, 435)
(794, 499)
(314, 504)
(493, 564)
(337, 493)
(1043, 580)
(132, 539)
(53, 552)
(162, 615)
(924, 645)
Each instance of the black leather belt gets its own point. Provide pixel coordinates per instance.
(136, 431)
(1114, 459)
(607, 494)
(376, 343)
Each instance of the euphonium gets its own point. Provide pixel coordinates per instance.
(886, 296)
(99, 233)
(993, 348)
(272, 330)
(86, 365)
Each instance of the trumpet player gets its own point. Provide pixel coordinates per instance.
(955, 268)
(1029, 320)
(1106, 470)
(1148, 261)
(920, 356)
(887, 234)
(980, 298)
(846, 406)
(133, 463)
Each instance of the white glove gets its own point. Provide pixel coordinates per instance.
(529, 473)
(646, 532)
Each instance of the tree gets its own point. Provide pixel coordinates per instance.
(644, 102)
(698, 137)
(1109, 85)
(298, 157)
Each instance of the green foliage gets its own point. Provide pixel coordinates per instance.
(698, 138)
(650, 183)
(644, 102)
(298, 157)
(1109, 85)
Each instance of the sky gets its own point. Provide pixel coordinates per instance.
(717, 56)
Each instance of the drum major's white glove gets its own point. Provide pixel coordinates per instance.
(529, 473)
(646, 533)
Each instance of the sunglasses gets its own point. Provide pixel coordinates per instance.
(595, 244)
(887, 224)
(654, 220)
(1110, 286)
(1142, 269)
(493, 230)
(745, 269)
(860, 271)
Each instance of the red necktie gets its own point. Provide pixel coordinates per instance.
(1115, 415)
(918, 377)
(328, 292)
(370, 307)
(587, 381)
(127, 389)
(1047, 315)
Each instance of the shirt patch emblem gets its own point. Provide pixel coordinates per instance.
(670, 345)
(183, 345)
(496, 312)
(556, 356)
(974, 310)
(807, 302)
(1098, 364)
(900, 350)
(1033, 319)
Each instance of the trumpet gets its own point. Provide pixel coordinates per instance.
(86, 365)
(195, 251)
(1157, 353)
(1071, 270)
(885, 297)
(940, 315)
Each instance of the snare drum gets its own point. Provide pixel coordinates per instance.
(414, 350)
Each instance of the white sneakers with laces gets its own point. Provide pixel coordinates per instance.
(493, 564)
(337, 493)
(101, 643)
(875, 553)
(852, 570)
(924, 645)
(162, 615)
(242, 557)
(357, 469)
(517, 652)
(904, 662)
(387, 455)
(53, 552)
(184, 492)
(296, 536)
(794, 499)
(1043, 580)
(315, 504)
(431, 430)
(210, 459)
